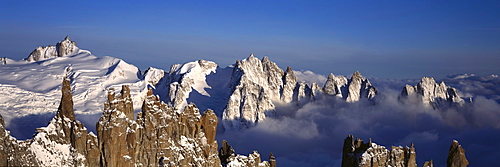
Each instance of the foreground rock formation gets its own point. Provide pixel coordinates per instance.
(430, 93)
(64, 142)
(356, 153)
(456, 156)
(160, 136)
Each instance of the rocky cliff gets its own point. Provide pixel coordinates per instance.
(256, 86)
(356, 153)
(63, 48)
(432, 94)
(351, 90)
(160, 136)
(64, 142)
(456, 156)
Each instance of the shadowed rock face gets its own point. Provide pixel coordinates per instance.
(456, 156)
(66, 106)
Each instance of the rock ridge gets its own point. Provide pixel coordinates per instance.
(432, 94)
(356, 153)
(63, 48)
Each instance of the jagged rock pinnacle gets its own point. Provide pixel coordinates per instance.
(66, 106)
(456, 156)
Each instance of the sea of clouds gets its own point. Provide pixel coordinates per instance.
(313, 134)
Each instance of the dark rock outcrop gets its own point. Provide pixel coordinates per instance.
(357, 153)
(428, 164)
(456, 156)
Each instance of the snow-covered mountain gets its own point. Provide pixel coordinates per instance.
(32, 87)
(428, 92)
(243, 95)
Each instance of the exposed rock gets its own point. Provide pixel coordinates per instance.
(62, 48)
(428, 92)
(209, 124)
(428, 164)
(289, 81)
(153, 75)
(66, 47)
(336, 85)
(272, 160)
(225, 152)
(66, 106)
(64, 142)
(182, 79)
(302, 93)
(230, 159)
(456, 156)
(116, 130)
(351, 90)
(356, 153)
(171, 138)
(251, 98)
(3, 146)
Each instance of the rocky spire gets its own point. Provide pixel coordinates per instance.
(432, 94)
(456, 156)
(209, 124)
(289, 81)
(351, 90)
(66, 107)
(428, 164)
(225, 152)
(3, 144)
(272, 160)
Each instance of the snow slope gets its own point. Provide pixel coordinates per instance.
(34, 87)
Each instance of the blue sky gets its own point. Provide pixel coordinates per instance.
(389, 39)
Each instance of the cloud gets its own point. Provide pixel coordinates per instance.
(309, 76)
(313, 134)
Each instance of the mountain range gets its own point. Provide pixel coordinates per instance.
(178, 112)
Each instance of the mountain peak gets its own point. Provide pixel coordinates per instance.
(432, 93)
(65, 47)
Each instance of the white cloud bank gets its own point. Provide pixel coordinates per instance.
(313, 134)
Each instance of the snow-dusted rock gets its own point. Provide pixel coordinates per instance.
(65, 47)
(63, 142)
(349, 89)
(456, 156)
(230, 159)
(289, 83)
(428, 92)
(181, 80)
(254, 84)
(356, 153)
